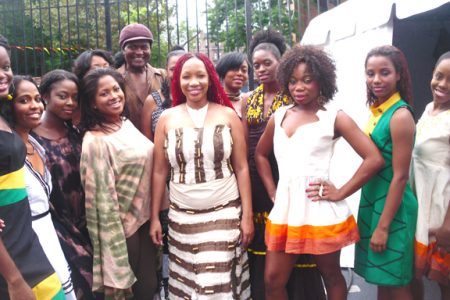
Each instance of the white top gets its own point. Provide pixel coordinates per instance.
(200, 166)
(38, 187)
(309, 150)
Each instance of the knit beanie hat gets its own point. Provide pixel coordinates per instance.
(134, 32)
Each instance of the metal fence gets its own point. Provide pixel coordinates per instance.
(49, 34)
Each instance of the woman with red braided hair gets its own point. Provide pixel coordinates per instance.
(200, 143)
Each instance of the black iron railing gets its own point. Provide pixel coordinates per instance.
(49, 34)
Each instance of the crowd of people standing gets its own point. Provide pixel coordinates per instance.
(117, 183)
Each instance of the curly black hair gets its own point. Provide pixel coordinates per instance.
(319, 63)
(90, 117)
(269, 36)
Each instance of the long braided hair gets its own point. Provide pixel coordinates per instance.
(215, 92)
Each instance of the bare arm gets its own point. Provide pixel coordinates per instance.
(146, 118)
(443, 233)
(160, 171)
(364, 147)
(244, 119)
(402, 133)
(18, 289)
(262, 152)
(240, 167)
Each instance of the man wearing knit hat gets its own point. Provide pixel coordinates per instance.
(140, 80)
(140, 77)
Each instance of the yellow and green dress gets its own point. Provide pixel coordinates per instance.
(394, 266)
(18, 236)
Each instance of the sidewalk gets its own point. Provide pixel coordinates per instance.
(361, 290)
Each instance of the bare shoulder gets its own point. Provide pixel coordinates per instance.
(342, 117)
(150, 98)
(227, 112)
(245, 97)
(149, 102)
(121, 70)
(403, 114)
(402, 122)
(170, 112)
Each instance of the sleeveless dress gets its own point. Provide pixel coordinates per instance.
(158, 111)
(205, 259)
(18, 236)
(163, 272)
(38, 188)
(394, 266)
(430, 181)
(305, 281)
(297, 224)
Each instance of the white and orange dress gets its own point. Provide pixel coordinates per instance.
(297, 224)
(430, 181)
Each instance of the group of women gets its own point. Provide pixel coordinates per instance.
(236, 183)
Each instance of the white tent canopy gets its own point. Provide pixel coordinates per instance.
(358, 16)
(420, 28)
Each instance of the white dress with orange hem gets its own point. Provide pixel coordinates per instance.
(430, 181)
(297, 224)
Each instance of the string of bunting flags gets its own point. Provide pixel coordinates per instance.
(48, 50)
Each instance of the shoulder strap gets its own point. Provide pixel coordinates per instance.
(279, 115)
(157, 98)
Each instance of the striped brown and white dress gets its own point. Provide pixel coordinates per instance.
(205, 258)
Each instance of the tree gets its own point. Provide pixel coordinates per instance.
(227, 22)
(50, 34)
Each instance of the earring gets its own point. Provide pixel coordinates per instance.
(321, 99)
(9, 97)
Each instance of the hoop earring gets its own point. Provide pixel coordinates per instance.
(321, 99)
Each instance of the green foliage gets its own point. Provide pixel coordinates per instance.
(227, 22)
